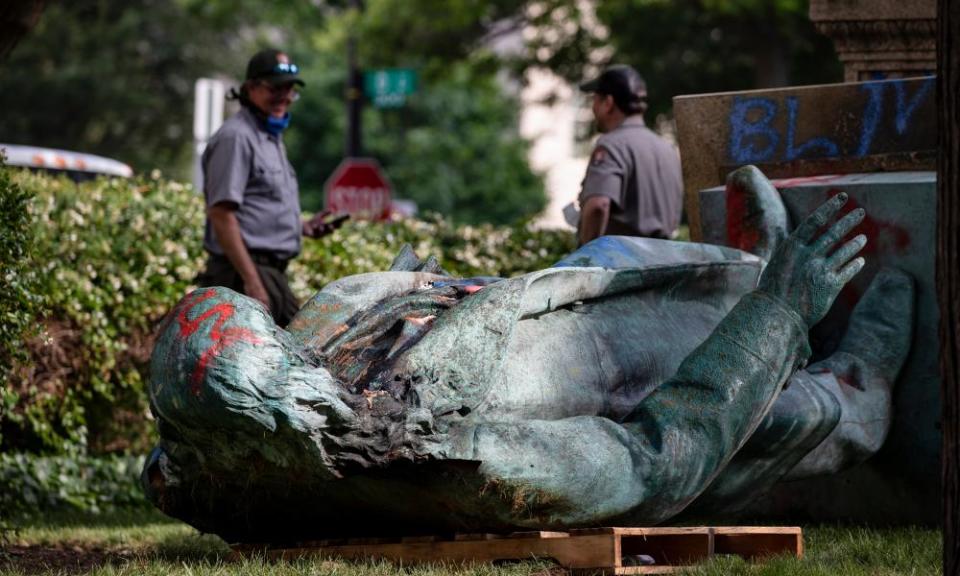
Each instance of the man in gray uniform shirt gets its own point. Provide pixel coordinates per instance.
(633, 185)
(253, 223)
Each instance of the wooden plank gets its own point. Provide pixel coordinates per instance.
(594, 549)
(647, 570)
(805, 131)
(636, 531)
(370, 540)
(476, 536)
(675, 549)
(758, 542)
(575, 553)
(539, 534)
(410, 539)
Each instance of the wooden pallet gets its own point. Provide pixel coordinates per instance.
(598, 550)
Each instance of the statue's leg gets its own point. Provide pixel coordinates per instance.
(619, 252)
(757, 224)
(832, 415)
(861, 375)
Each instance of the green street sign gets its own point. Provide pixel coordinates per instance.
(389, 87)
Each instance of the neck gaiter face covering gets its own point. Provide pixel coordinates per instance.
(276, 125)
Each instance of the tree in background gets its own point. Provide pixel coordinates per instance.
(453, 149)
(686, 46)
(116, 78)
(110, 77)
(457, 150)
(17, 17)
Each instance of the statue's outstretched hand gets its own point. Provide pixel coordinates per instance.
(805, 272)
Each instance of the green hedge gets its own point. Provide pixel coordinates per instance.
(110, 257)
(462, 250)
(20, 296)
(32, 485)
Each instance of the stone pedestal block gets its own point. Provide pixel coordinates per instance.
(877, 39)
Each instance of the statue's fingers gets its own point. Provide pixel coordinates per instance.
(814, 222)
(850, 270)
(846, 252)
(839, 230)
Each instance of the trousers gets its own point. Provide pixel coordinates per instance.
(283, 304)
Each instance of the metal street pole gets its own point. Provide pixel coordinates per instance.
(354, 91)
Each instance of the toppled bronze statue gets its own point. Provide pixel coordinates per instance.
(634, 380)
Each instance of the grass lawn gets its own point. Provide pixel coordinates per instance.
(148, 543)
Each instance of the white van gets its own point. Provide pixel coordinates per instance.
(75, 165)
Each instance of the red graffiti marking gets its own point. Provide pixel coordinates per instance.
(793, 182)
(740, 231)
(222, 338)
(882, 238)
(881, 235)
(849, 377)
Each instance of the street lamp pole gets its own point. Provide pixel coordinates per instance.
(354, 90)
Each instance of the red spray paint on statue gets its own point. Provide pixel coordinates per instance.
(883, 237)
(220, 338)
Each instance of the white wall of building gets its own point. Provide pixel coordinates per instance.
(549, 119)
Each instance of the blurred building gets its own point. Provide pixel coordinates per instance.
(555, 118)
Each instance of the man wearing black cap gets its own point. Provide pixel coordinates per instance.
(633, 185)
(253, 223)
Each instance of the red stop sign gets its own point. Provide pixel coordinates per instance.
(360, 188)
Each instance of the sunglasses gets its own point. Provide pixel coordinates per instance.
(282, 89)
(284, 68)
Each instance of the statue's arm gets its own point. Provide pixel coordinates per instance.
(652, 465)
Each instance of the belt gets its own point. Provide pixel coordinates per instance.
(258, 257)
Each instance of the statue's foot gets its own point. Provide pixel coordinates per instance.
(862, 372)
(756, 217)
(881, 326)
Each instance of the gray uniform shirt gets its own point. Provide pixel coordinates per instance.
(640, 173)
(246, 165)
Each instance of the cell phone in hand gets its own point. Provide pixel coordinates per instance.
(336, 220)
(572, 215)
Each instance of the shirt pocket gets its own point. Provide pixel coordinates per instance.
(268, 178)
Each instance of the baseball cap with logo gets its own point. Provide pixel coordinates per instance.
(274, 67)
(627, 87)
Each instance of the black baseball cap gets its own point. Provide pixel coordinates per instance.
(273, 66)
(627, 87)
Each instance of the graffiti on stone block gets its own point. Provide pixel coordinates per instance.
(765, 129)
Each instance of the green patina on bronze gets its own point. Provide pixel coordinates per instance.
(635, 380)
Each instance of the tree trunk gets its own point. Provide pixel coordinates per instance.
(17, 17)
(948, 269)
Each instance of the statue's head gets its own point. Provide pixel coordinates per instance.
(222, 369)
